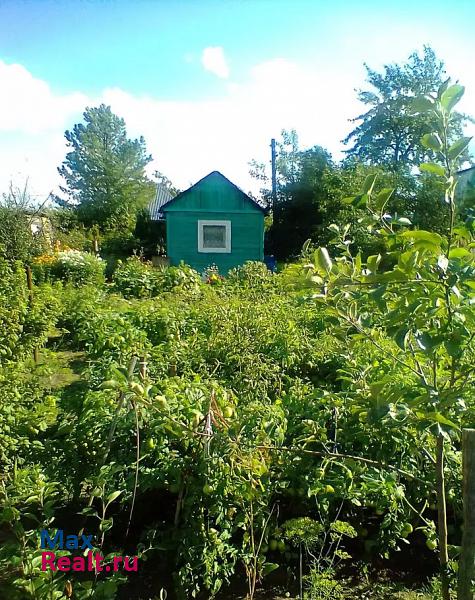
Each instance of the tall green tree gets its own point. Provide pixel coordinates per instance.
(389, 133)
(104, 172)
(311, 192)
(301, 194)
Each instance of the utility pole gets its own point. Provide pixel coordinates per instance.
(274, 174)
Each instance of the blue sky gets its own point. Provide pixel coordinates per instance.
(206, 82)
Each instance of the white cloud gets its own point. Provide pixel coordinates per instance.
(28, 105)
(213, 60)
(187, 139)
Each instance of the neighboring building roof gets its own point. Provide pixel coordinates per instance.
(162, 197)
(466, 170)
(248, 198)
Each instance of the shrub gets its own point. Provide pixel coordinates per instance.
(70, 266)
(118, 244)
(250, 274)
(23, 325)
(182, 277)
(136, 278)
(13, 307)
(76, 238)
(17, 215)
(79, 268)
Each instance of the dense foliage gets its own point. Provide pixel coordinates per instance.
(105, 181)
(24, 231)
(304, 425)
(241, 409)
(312, 187)
(137, 278)
(388, 134)
(71, 266)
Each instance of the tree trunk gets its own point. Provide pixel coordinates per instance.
(442, 518)
(466, 573)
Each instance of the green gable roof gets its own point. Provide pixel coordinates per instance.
(212, 175)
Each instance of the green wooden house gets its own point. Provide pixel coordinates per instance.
(466, 182)
(214, 222)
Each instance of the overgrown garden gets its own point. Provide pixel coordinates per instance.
(299, 430)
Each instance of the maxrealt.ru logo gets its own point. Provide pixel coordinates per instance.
(89, 561)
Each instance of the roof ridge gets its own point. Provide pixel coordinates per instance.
(224, 177)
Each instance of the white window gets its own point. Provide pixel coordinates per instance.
(214, 236)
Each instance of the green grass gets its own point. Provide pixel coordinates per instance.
(60, 369)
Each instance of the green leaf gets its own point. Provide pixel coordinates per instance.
(361, 200)
(368, 184)
(420, 104)
(425, 341)
(382, 198)
(454, 348)
(323, 260)
(439, 418)
(401, 337)
(269, 567)
(113, 496)
(424, 236)
(110, 384)
(451, 96)
(459, 253)
(432, 168)
(443, 87)
(105, 525)
(373, 262)
(431, 141)
(88, 510)
(463, 232)
(376, 388)
(458, 147)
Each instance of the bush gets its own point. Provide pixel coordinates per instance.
(182, 277)
(136, 278)
(17, 215)
(13, 307)
(70, 266)
(23, 325)
(250, 274)
(79, 268)
(76, 239)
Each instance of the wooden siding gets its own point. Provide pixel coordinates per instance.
(214, 198)
(247, 239)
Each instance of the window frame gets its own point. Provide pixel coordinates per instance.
(201, 224)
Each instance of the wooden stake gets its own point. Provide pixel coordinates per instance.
(442, 518)
(29, 282)
(466, 572)
(143, 368)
